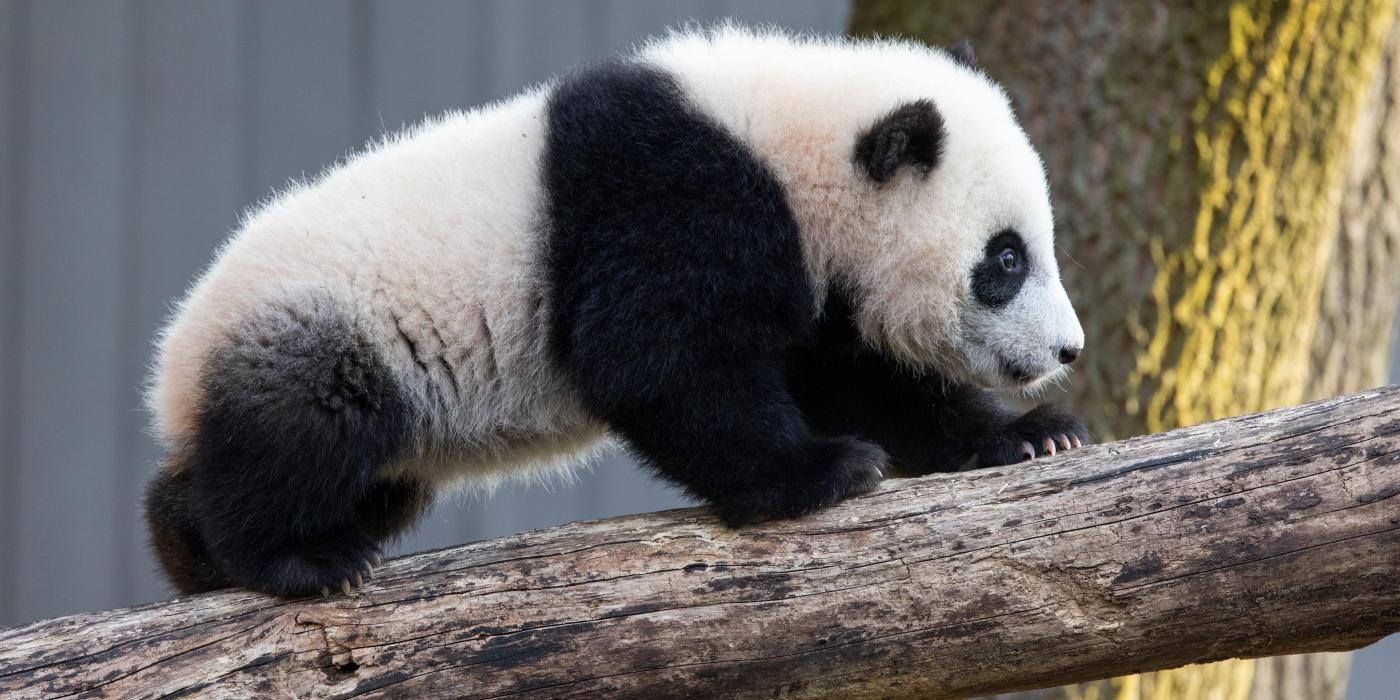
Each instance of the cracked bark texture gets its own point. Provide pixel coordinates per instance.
(1224, 176)
(1268, 534)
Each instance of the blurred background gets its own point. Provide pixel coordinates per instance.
(133, 132)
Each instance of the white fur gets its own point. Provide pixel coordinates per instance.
(910, 245)
(433, 233)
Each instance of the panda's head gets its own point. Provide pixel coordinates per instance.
(958, 269)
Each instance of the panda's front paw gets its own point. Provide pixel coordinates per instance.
(808, 479)
(1041, 432)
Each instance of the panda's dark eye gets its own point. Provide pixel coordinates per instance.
(1010, 260)
(998, 276)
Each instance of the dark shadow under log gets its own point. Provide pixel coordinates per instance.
(1256, 536)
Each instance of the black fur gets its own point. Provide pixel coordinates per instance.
(912, 134)
(677, 284)
(926, 422)
(682, 310)
(992, 284)
(962, 53)
(175, 535)
(280, 492)
(1005, 443)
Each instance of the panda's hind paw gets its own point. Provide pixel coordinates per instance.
(330, 565)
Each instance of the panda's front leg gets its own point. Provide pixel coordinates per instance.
(723, 426)
(740, 444)
(927, 422)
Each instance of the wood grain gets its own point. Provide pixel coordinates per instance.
(1268, 534)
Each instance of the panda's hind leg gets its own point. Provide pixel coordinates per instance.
(300, 417)
(388, 508)
(391, 506)
(175, 535)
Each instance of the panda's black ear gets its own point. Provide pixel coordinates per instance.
(912, 135)
(962, 53)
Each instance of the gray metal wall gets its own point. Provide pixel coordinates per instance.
(131, 134)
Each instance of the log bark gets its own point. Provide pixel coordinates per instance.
(1268, 534)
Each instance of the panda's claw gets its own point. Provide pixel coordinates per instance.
(359, 580)
(345, 586)
(325, 592)
(375, 559)
(1041, 432)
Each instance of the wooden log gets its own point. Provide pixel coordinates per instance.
(1269, 534)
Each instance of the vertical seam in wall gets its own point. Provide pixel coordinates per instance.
(610, 35)
(129, 262)
(248, 105)
(482, 50)
(843, 12)
(17, 54)
(595, 29)
(715, 9)
(366, 118)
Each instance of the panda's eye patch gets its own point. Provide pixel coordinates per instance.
(998, 277)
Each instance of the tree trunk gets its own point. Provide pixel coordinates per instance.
(1188, 546)
(1350, 351)
(1223, 174)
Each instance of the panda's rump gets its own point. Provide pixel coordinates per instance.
(468, 358)
(426, 247)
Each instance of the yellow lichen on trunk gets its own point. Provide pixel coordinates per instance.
(1233, 313)
(1227, 680)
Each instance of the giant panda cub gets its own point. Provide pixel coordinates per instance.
(776, 268)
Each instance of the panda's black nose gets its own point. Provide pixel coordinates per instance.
(1068, 355)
